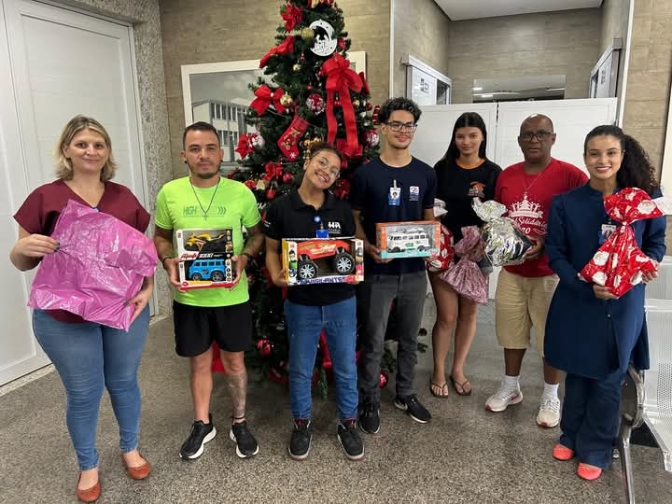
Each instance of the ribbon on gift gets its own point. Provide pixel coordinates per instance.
(466, 277)
(341, 79)
(264, 97)
(285, 47)
(619, 263)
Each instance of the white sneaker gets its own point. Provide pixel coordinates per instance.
(504, 397)
(549, 412)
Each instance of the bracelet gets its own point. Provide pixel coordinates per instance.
(163, 259)
(249, 256)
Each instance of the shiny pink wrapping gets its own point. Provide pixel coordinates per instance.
(465, 276)
(100, 265)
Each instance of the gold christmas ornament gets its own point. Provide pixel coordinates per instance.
(261, 185)
(286, 100)
(355, 103)
(296, 67)
(307, 34)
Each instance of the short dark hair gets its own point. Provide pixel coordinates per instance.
(394, 104)
(317, 147)
(200, 126)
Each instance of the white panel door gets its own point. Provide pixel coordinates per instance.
(572, 120)
(54, 64)
(435, 129)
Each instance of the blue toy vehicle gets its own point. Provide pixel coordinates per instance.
(208, 269)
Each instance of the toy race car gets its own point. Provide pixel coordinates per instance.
(343, 263)
(206, 243)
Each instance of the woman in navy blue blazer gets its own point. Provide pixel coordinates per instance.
(590, 334)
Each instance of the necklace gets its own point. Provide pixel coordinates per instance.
(204, 210)
(526, 187)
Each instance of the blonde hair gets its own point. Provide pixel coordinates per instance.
(74, 126)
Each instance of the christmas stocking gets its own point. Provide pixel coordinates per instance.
(289, 141)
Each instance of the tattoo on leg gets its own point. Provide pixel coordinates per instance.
(237, 385)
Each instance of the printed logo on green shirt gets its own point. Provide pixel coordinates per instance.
(194, 211)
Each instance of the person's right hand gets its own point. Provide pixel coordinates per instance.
(602, 292)
(280, 280)
(170, 265)
(374, 252)
(36, 245)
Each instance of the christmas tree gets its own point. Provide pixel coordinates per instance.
(310, 93)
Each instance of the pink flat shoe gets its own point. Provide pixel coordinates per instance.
(588, 472)
(561, 452)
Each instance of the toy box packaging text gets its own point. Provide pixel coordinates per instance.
(323, 260)
(408, 239)
(205, 258)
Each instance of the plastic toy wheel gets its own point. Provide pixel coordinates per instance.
(217, 276)
(421, 248)
(307, 270)
(344, 264)
(196, 277)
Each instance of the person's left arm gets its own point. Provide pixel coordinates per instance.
(429, 196)
(653, 241)
(141, 299)
(255, 236)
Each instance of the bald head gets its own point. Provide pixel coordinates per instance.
(536, 140)
(537, 121)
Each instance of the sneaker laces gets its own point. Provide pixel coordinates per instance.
(369, 409)
(241, 432)
(301, 424)
(551, 405)
(505, 392)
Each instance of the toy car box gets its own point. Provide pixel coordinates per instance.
(205, 258)
(408, 239)
(323, 260)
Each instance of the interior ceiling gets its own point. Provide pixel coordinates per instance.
(458, 10)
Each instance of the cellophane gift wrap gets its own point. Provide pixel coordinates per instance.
(100, 265)
(444, 258)
(619, 263)
(465, 276)
(505, 243)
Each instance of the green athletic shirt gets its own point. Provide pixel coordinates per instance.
(234, 206)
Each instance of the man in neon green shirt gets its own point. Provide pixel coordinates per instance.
(206, 201)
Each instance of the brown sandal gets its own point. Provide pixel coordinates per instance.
(455, 384)
(441, 387)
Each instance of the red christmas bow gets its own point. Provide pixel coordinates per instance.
(273, 171)
(619, 263)
(264, 97)
(285, 47)
(243, 147)
(292, 16)
(341, 79)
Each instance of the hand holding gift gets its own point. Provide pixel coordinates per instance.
(466, 277)
(619, 264)
(505, 243)
(444, 258)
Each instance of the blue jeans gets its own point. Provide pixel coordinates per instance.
(304, 325)
(90, 357)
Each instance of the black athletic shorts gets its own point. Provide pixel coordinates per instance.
(197, 327)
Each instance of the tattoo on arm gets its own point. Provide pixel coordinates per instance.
(237, 385)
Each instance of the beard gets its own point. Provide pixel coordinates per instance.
(203, 176)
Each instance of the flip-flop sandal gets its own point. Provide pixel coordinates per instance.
(456, 384)
(440, 387)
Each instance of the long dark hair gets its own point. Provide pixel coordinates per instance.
(466, 120)
(636, 168)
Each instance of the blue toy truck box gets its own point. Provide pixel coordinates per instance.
(206, 258)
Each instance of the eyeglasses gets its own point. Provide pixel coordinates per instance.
(397, 127)
(323, 163)
(541, 135)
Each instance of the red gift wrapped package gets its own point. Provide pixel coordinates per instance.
(444, 259)
(619, 263)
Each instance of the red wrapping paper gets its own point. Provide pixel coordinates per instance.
(619, 263)
(444, 259)
(466, 277)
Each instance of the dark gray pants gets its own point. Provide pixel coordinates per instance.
(409, 289)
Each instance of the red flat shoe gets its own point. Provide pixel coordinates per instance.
(89, 494)
(588, 472)
(139, 472)
(561, 452)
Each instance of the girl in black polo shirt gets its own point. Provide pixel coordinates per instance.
(463, 174)
(309, 212)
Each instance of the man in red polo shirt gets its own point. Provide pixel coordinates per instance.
(524, 292)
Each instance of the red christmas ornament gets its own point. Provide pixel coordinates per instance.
(383, 379)
(376, 111)
(270, 194)
(288, 178)
(369, 106)
(265, 347)
(341, 44)
(251, 184)
(315, 103)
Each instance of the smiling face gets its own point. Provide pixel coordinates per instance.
(468, 140)
(87, 151)
(603, 157)
(399, 129)
(202, 153)
(322, 169)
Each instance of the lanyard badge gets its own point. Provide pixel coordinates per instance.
(394, 198)
(320, 232)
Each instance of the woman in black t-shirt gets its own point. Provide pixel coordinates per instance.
(463, 174)
(314, 212)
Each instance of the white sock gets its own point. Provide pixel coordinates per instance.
(511, 382)
(550, 390)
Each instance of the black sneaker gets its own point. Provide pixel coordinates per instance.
(200, 434)
(246, 445)
(301, 440)
(350, 440)
(369, 417)
(412, 406)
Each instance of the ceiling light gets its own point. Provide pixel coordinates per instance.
(478, 89)
(486, 95)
